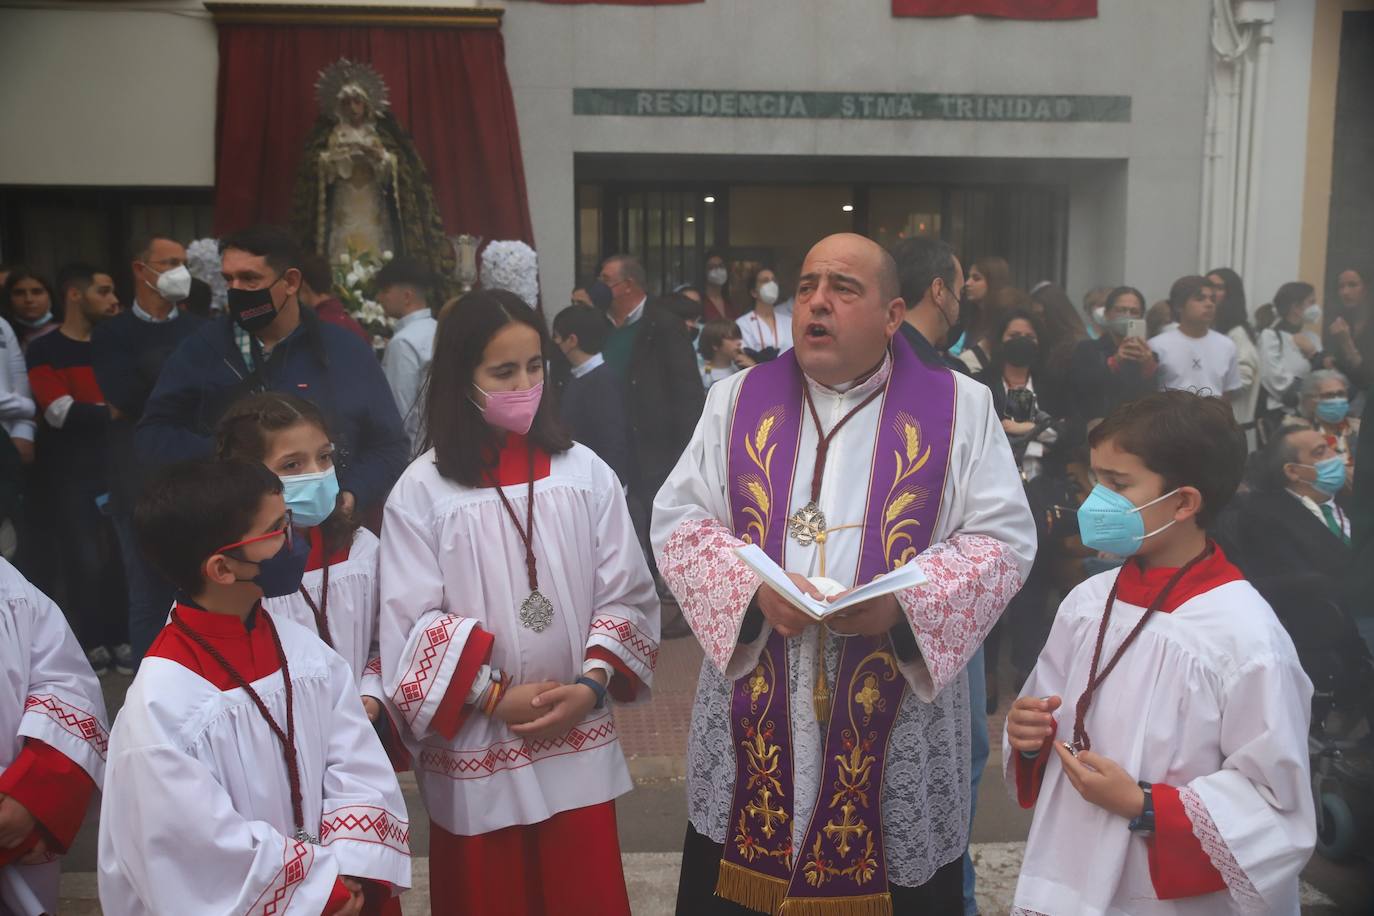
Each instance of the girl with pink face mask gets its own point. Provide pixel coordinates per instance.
(515, 607)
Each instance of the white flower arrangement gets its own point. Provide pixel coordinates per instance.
(354, 275)
(203, 261)
(513, 266)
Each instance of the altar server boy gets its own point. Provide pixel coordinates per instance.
(249, 777)
(53, 735)
(1162, 737)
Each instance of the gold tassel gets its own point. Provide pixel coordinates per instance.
(820, 694)
(871, 905)
(751, 889)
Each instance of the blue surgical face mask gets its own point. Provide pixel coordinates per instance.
(311, 497)
(1333, 410)
(1111, 523)
(958, 346)
(1330, 474)
(36, 322)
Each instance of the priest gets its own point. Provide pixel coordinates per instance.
(828, 762)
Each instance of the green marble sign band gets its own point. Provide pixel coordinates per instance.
(854, 106)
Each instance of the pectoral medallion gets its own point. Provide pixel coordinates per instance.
(807, 525)
(303, 837)
(536, 612)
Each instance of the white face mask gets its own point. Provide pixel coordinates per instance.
(174, 285)
(768, 293)
(717, 276)
(1312, 314)
(1100, 316)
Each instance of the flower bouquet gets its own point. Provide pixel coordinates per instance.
(354, 282)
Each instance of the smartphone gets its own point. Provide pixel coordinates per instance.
(1135, 327)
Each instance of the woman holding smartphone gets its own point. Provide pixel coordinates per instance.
(1117, 367)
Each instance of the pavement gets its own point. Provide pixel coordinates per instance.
(653, 817)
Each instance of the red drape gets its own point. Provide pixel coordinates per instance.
(1005, 9)
(448, 89)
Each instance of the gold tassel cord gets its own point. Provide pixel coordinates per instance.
(869, 905)
(751, 889)
(820, 693)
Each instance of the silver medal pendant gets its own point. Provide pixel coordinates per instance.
(536, 612)
(807, 525)
(304, 837)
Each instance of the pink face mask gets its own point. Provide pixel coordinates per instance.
(512, 411)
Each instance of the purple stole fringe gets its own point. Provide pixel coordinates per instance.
(840, 867)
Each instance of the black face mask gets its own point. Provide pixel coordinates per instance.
(1020, 352)
(253, 309)
(967, 314)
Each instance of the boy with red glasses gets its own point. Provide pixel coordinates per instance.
(249, 775)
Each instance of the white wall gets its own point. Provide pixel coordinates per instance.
(1283, 170)
(108, 97)
(1155, 52)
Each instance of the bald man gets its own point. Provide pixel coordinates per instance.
(828, 762)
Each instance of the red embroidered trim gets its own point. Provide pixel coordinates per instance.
(365, 824)
(636, 641)
(297, 859)
(517, 753)
(73, 720)
(712, 584)
(373, 666)
(429, 653)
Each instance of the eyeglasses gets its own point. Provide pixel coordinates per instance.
(280, 532)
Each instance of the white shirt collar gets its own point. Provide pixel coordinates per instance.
(145, 316)
(636, 313)
(595, 360)
(853, 390)
(412, 318)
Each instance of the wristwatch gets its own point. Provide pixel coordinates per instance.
(598, 688)
(1145, 823)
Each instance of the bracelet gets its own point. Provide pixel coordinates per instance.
(500, 681)
(1145, 823)
(597, 688)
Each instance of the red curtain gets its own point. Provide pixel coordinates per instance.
(448, 89)
(1004, 9)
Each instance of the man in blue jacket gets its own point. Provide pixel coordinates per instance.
(270, 342)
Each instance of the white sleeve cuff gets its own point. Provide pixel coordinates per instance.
(57, 411)
(596, 664)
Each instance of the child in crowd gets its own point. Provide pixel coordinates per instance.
(514, 598)
(722, 351)
(338, 594)
(53, 736)
(248, 774)
(592, 407)
(1176, 781)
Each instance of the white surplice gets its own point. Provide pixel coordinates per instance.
(1209, 699)
(201, 821)
(351, 612)
(981, 550)
(49, 693)
(453, 573)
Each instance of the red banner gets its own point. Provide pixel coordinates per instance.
(1003, 9)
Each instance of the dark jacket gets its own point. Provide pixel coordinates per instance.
(664, 397)
(1272, 535)
(1098, 389)
(927, 351)
(319, 362)
(128, 354)
(593, 409)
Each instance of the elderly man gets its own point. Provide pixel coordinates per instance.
(1325, 402)
(829, 763)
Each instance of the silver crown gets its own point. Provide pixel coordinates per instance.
(346, 77)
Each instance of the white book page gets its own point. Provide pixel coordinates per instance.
(904, 577)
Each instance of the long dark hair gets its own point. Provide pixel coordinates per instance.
(1289, 295)
(242, 435)
(465, 446)
(1234, 311)
(1064, 326)
(1000, 329)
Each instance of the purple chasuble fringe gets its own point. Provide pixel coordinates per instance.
(840, 866)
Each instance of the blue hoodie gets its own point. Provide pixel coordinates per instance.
(322, 363)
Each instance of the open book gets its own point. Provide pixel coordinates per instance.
(904, 577)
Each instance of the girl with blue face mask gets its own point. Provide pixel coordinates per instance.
(338, 595)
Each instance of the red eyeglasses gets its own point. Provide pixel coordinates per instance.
(286, 531)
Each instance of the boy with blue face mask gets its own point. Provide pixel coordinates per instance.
(1177, 769)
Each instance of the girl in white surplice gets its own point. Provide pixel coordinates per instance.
(515, 598)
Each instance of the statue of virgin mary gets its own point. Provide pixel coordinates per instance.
(361, 185)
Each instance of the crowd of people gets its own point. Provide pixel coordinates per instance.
(449, 558)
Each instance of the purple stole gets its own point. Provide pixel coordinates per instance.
(840, 868)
